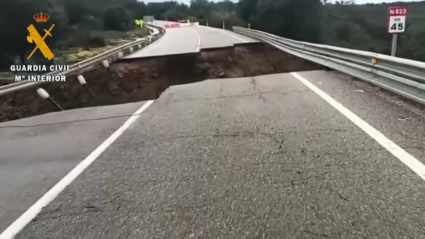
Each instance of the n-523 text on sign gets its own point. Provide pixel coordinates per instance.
(397, 19)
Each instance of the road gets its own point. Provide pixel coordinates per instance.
(33, 159)
(276, 156)
(154, 30)
(185, 40)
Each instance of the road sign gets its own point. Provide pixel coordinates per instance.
(148, 19)
(397, 19)
(396, 24)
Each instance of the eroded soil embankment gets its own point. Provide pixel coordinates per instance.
(143, 79)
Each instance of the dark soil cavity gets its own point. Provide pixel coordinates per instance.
(143, 79)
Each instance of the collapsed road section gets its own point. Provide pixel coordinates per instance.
(132, 80)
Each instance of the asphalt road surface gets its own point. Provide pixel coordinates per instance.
(33, 159)
(185, 40)
(277, 156)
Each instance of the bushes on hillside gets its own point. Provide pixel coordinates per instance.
(341, 23)
(118, 19)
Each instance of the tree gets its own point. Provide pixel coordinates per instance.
(172, 15)
(248, 9)
(77, 10)
(117, 19)
(13, 42)
(343, 23)
(200, 8)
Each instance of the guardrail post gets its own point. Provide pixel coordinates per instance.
(87, 64)
(105, 64)
(45, 95)
(249, 26)
(83, 82)
(223, 25)
(207, 24)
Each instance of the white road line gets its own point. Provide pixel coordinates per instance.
(198, 46)
(32, 212)
(145, 50)
(410, 161)
(233, 35)
(225, 31)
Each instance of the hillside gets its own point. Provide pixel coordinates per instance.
(365, 27)
(341, 24)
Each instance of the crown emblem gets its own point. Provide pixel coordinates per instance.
(40, 17)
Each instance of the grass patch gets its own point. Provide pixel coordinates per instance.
(114, 35)
(108, 35)
(74, 55)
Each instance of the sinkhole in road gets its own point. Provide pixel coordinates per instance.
(135, 80)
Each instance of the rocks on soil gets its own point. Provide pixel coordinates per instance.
(144, 79)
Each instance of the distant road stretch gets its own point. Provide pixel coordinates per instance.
(191, 39)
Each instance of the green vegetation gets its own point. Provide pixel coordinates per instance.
(87, 24)
(365, 27)
(342, 23)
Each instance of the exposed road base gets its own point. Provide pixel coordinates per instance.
(143, 79)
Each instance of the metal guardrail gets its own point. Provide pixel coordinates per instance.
(88, 64)
(401, 76)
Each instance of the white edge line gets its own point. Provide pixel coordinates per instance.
(233, 35)
(32, 212)
(406, 158)
(230, 33)
(145, 49)
(198, 46)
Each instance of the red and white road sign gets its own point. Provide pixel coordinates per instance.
(397, 19)
(173, 25)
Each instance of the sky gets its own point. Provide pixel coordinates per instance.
(357, 1)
